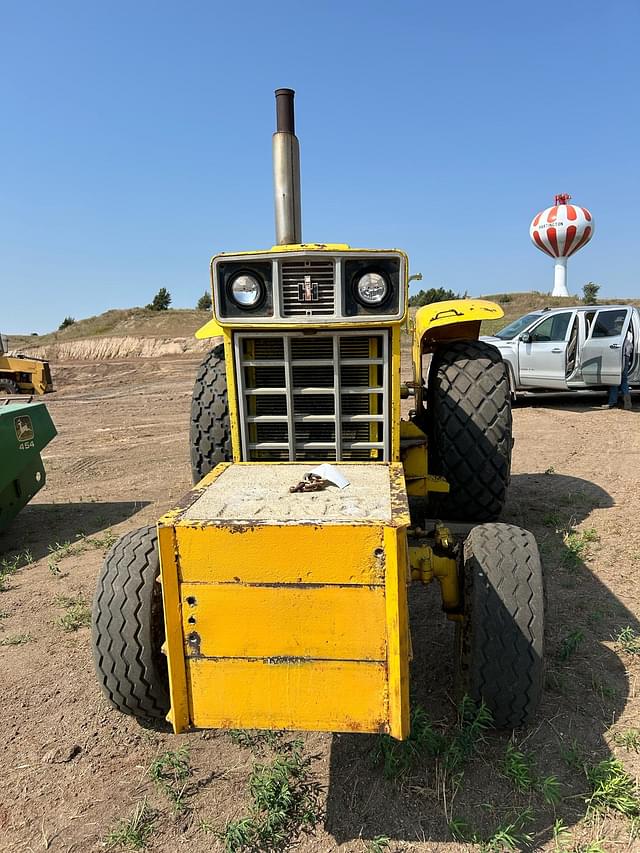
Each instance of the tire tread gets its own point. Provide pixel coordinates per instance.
(126, 634)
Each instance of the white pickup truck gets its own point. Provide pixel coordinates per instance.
(568, 349)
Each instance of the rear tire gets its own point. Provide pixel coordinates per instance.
(210, 434)
(500, 644)
(469, 428)
(128, 627)
(8, 386)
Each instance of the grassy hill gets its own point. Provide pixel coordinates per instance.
(123, 322)
(183, 322)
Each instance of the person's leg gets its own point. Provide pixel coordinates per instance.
(624, 385)
(613, 396)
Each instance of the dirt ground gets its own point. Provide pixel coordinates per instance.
(71, 767)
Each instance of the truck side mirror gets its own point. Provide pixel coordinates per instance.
(525, 337)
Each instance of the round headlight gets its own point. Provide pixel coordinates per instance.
(246, 290)
(372, 288)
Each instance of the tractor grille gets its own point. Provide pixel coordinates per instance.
(308, 288)
(314, 397)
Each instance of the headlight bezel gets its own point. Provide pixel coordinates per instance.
(389, 268)
(366, 303)
(225, 305)
(262, 291)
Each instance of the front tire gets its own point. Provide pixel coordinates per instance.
(128, 627)
(500, 642)
(210, 433)
(470, 430)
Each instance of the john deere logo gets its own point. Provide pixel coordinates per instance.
(24, 428)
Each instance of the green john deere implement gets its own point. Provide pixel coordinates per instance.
(25, 430)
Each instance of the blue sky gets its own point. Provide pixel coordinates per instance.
(135, 141)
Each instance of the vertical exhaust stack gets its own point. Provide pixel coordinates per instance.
(286, 172)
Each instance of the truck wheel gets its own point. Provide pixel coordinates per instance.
(128, 627)
(210, 425)
(499, 645)
(8, 386)
(469, 427)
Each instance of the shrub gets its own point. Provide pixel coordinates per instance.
(434, 294)
(68, 321)
(204, 303)
(590, 293)
(161, 300)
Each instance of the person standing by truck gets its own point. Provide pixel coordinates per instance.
(623, 388)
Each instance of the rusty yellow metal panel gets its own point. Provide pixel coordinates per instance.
(248, 553)
(347, 696)
(397, 630)
(178, 714)
(287, 619)
(323, 622)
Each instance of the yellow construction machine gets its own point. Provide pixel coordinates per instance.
(283, 575)
(21, 374)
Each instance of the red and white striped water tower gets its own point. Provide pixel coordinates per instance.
(560, 231)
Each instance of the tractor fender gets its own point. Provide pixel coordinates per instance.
(453, 319)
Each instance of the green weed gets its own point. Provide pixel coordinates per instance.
(61, 550)
(561, 836)
(255, 739)
(556, 682)
(518, 766)
(509, 835)
(168, 772)
(133, 832)
(10, 565)
(107, 539)
(612, 789)
(573, 755)
(399, 757)
(55, 569)
(378, 844)
(628, 640)
(602, 689)
(576, 543)
(570, 644)
(16, 640)
(629, 739)
(77, 615)
(284, 803)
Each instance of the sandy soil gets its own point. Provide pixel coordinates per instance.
(71, 767)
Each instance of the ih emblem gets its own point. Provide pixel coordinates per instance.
(24, 428)
(308, 290)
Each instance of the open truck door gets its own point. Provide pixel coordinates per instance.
(601, 355)
(546, 352)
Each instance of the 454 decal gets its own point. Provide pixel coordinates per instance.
(24, 431)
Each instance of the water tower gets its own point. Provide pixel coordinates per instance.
(559, 231)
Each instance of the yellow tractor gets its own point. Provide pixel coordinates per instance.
(20, 374)
(275, 594)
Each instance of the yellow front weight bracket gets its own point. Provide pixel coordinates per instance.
(288, 610)
(439, 560)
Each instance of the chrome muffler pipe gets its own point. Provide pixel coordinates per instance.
(286, 172)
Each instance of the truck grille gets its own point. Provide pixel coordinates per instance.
(308, 288)
(314, 397)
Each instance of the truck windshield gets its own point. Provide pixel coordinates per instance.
(516, 327)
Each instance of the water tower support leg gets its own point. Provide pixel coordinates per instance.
(560, 278)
